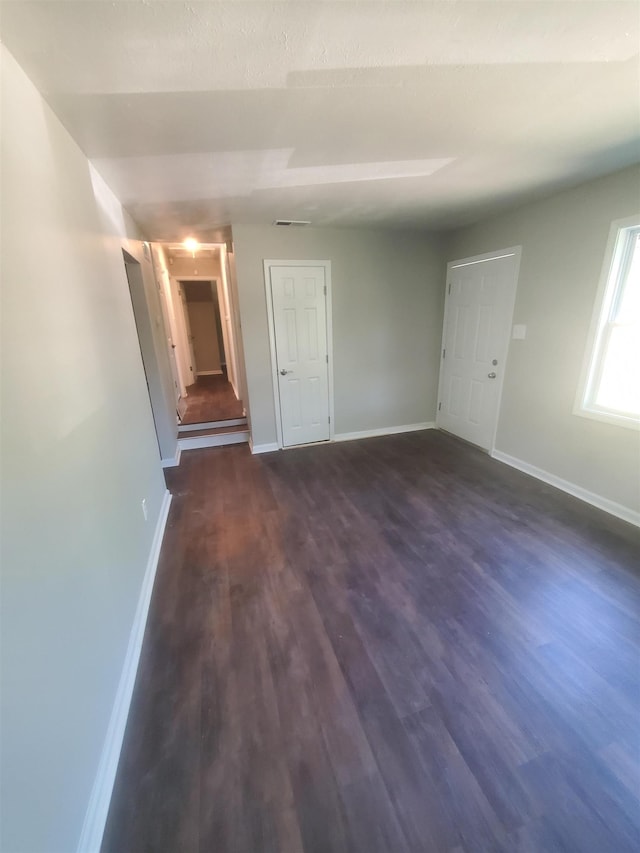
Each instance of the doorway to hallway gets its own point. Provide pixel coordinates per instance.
(198, 297)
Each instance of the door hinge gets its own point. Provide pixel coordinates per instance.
(329, 419)
(325, 290)
(449, 287)
(327, 358)
(439, 406)
(443, 352)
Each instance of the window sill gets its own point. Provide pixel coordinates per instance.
(627, 421)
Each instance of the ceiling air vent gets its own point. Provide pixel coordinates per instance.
(292, 222)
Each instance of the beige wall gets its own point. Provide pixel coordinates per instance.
(74, 540)
(195, 266)
(563, 242)
(388, 292)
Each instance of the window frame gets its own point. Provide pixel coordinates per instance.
(616, 262)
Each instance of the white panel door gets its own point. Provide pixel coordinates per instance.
(478, 312)
(300, 324)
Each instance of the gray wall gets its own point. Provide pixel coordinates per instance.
(388, 291)
(78, 454)
(563, 242)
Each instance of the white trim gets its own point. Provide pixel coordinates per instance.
(227, 320)
(220, 439)
(481, 259)
(212, 425)
(209, 373)
(511, 252)
(627, 421)
(263, 448)
(613, 508)
(592, 352)
(267, 264)
(393, 430)
(100, 798)
(173, 461)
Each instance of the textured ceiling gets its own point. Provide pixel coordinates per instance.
(402, 114)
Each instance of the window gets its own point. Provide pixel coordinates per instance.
(612, 382)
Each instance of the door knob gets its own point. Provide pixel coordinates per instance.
(491, 375)
(284, 372)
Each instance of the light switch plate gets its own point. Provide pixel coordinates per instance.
(519, 333)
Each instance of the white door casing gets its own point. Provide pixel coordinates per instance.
(298, 303)
(168, 328)
(189, 336)
(225, 299)
(479, 302)
(174, 341)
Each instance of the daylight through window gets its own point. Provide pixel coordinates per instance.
(613, 383)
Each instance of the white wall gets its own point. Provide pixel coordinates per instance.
(74, 539)
(563, 242)
(388, 291)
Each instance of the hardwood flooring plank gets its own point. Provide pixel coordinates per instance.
(210, 398)
(397, 645)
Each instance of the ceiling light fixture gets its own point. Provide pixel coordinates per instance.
(191, 245)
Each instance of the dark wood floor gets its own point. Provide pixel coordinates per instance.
(383, 646)
(211, 398)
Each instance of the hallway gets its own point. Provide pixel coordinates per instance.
(382, 646)
(211, 398)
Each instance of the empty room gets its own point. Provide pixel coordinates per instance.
(320, 446)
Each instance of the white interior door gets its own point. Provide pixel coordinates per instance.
(171, 347)
(227, 329)
(478, 313)
(299, 305)
(188, 333)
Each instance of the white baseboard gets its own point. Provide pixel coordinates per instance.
(98, 807)
(263, 448)
(197, 442)
(173, 461)
(208, 373)
(394, 430)
(620, 511)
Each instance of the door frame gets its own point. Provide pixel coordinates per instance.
(272, 340)
(220, 284)
(216, 288)
(140, 311)
(187, 327)
(226, 324)
(512, 251)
